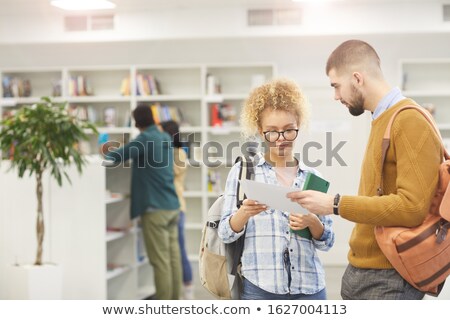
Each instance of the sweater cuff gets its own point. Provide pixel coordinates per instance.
(347, 208)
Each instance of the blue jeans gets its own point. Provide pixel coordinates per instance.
(187, 269)
(252, 292)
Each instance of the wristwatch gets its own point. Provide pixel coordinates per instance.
(337, 197)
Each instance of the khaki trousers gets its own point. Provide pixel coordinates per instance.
(160, 231)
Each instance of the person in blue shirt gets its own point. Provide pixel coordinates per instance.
(153, 199)
(276, 263)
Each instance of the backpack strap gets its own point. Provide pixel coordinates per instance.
(248, 171)
(387, 137)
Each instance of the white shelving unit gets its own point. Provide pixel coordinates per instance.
(185, 87)
(88, 233)
(128, 269)
(427, 81)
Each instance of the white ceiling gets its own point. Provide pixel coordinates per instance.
(19, 7)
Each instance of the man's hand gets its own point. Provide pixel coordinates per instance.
(314, 201)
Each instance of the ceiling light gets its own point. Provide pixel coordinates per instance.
(82, 5)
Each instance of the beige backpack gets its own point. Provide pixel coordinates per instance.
(219, 263)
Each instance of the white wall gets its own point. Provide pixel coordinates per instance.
(146, 21)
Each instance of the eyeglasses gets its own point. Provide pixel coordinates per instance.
(288, 135)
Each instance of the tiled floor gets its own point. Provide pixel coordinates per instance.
(333, 280)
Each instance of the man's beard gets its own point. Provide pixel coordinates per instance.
(356, 106)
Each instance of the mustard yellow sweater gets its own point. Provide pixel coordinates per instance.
(410, 179)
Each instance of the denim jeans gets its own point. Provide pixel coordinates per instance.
(252, 292)
(186, 265)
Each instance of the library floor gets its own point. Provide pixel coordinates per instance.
(333, 281)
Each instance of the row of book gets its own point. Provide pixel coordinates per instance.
(79, 86)
(163, 113)
(15, 87)
(214, 181)
(147, 85)
(103, 117)
(223, 115)
(108, 116)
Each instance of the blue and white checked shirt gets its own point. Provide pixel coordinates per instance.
(268, 236)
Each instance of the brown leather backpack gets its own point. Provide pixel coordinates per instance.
(421, 255)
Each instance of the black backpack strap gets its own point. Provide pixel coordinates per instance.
(248, 171)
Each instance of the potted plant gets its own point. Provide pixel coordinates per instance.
(43, 138)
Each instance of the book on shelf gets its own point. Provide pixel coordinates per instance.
(127, 119)
(155, 113)
(110, 117)
(147, 85)
(229, 115)
(57, 88)
(162, 113)
(216, 119)
(125, 87)
(223, 115)
(16, 87)
(83, 112)
(6, 85)
(78, 111)
(214, 181)
(212, 85)
(79, 86)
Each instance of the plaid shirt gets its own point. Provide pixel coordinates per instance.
(268, 237)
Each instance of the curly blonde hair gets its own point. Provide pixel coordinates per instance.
(277, 94)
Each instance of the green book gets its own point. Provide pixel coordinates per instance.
(312, 182)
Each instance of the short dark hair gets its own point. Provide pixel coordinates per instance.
(173, 129)
(143, 116)
(350, 53)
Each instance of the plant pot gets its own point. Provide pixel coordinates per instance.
(31, 282)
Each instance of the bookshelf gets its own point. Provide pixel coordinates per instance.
(127, 267)
(92, 92)
(427, 81)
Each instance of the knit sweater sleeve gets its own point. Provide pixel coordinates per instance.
(410, 177)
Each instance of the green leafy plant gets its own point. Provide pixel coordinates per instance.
(43, 137)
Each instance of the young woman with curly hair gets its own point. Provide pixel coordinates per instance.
(276, 263)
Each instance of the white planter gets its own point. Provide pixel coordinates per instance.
(31, 282)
